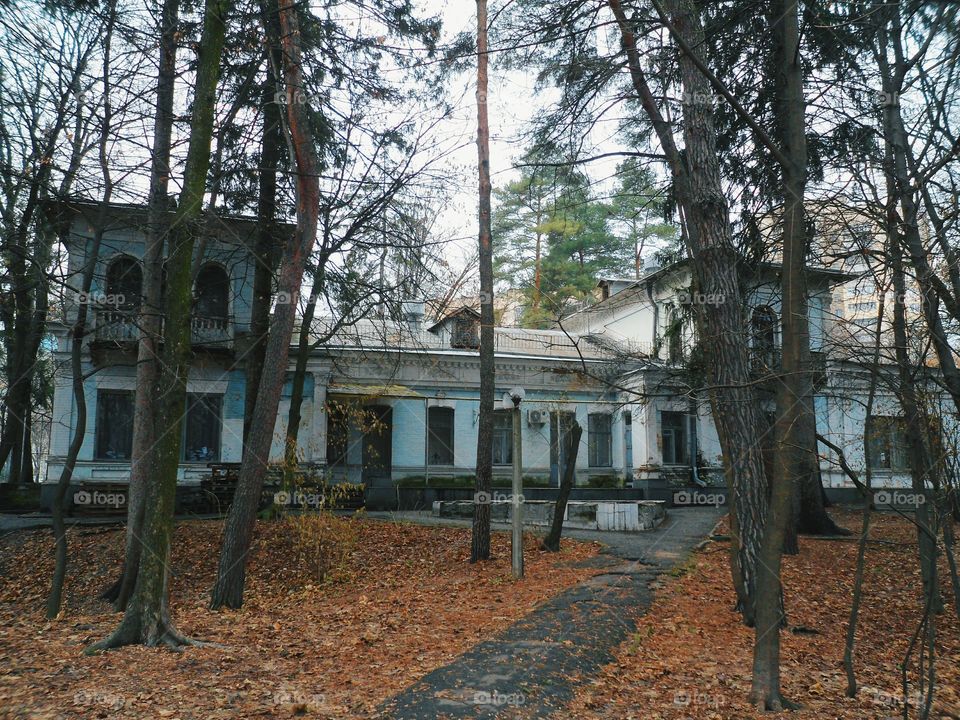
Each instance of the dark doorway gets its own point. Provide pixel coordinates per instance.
(377, 443)
(560, 424)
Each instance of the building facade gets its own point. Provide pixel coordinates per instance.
(390, 401)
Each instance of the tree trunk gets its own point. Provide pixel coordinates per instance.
(721, 326)
(265, 250)
(902, 194)
(917, 450)
(552, 541)
(480, 545)
(304, 346)
(79, 330)
(794, 390)
(896, 135)
(146, 619)
(151, 312)
(238, 533)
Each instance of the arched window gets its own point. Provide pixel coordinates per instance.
(212, 292)
(763, 330)
(124, 282)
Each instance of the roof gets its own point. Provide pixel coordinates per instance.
(462, 310)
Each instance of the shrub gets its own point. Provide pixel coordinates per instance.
(604, 481)
(322, 544)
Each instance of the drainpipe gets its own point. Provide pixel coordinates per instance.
(692, 426)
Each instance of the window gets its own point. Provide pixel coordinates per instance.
(201, 431)
(600, 439)
(886, 443)
(673, 429)
(212, 292)
(502, 437)
(763, 328)
(440, 436)
(338, 433)
(465, 330)
(124, 282)
(674, 333)
(114, 431)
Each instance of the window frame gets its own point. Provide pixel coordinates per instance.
(101, 423)
(596, 435)
(893, 437)
(201, 398)
(433, 436)
(502, 437)
(683, 425)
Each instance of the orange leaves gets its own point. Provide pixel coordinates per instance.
(406, 603)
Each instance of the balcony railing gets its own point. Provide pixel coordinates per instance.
(120, 326)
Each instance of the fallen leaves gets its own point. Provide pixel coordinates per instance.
(691, 657)
(408, 603)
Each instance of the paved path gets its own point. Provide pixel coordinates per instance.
(532, 669)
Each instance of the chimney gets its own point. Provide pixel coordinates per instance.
(413, 314)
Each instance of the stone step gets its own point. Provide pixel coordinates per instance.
(619, 515)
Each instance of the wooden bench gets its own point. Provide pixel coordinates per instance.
(219, 487)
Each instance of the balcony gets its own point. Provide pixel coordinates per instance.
(119, 327)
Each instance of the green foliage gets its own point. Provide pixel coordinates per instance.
(552, 220)
(605, 481)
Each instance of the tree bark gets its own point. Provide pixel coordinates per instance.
(905, 231)
(268, 237)
(79, 330)
(146, 618)
(480, 544)
(721, 326)
(552, 541)
(304, 346)
(238, 532)
(151, 311)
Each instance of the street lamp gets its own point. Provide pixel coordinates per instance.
(516, 545)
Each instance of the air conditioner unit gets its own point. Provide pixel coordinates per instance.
(536, 417)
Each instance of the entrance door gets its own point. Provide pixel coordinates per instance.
(560, 424)
(377, 444)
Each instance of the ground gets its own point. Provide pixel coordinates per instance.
(690, 657)
(408, 602)
(406, 628)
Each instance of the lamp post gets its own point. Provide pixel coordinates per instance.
(516, 500)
